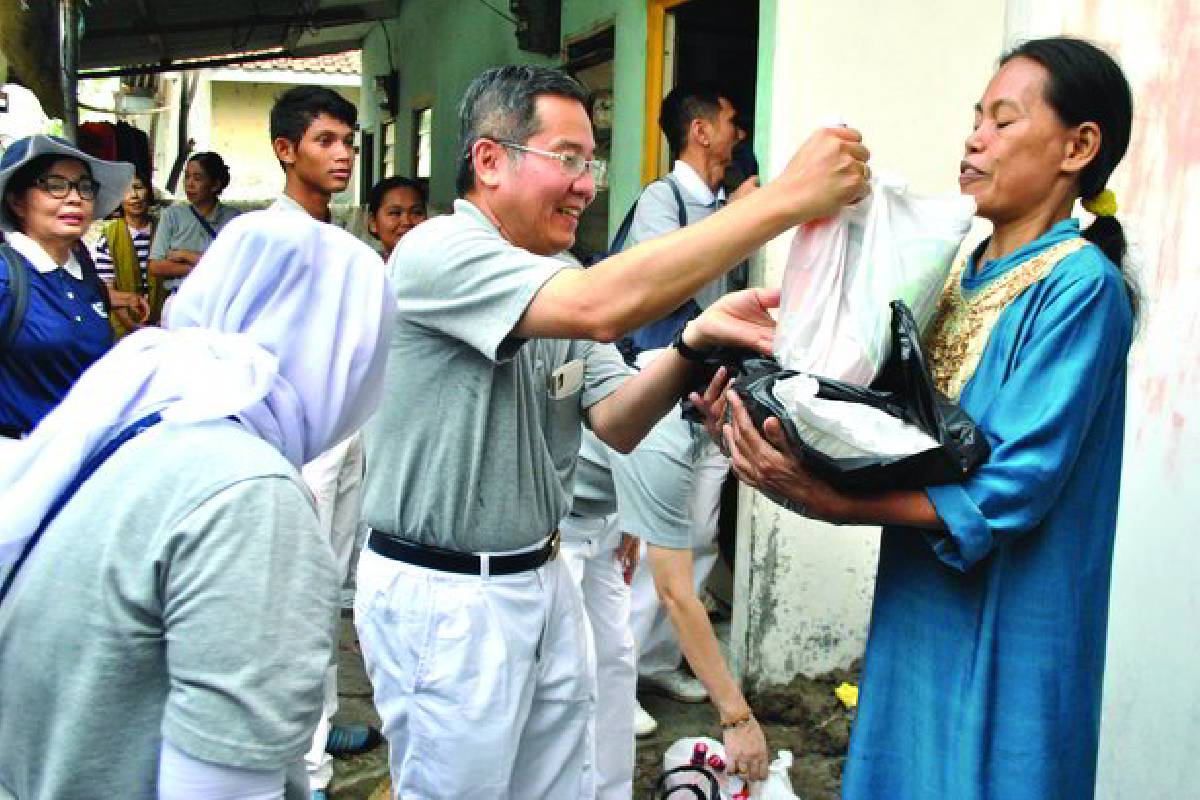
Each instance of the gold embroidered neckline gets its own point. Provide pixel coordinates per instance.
(964, 321)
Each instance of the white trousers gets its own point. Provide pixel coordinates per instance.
(589, 553)
(335, 479)
(657, 643)
(483, 684)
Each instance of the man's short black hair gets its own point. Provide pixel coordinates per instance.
(501, 104)
(684, 104)
(295, 110)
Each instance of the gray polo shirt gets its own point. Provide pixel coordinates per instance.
(178, 229)
(650, 489)
(475, 443)
(185, 591)
(657, 214)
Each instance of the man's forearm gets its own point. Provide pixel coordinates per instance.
(623, 419)
(166, 268)
(647, 282)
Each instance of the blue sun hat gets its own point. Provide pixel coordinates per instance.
(114, 177)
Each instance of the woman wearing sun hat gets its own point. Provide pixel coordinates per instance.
(53, 306)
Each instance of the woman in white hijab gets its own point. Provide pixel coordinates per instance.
(164, 622)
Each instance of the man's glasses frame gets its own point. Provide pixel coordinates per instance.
(573, 164)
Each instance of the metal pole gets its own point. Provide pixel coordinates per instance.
(68, 55)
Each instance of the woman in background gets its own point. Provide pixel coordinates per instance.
(395, 206)
(53, 305)
(122, 255)
(185, 230)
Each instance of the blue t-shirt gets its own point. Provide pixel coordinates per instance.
(65, 330)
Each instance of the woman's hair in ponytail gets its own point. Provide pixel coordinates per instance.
(213, 166)
(1086, 85)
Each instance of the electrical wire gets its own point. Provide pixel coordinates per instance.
(498, 12)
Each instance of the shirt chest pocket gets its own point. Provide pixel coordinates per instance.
(560, 395)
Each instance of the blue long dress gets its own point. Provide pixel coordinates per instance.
(985, 656)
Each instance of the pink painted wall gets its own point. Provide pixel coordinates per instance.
(1151, 731)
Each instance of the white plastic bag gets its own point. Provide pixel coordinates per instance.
(843, 272)
(777, 786)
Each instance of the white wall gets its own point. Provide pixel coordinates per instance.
(907, 75)
(1151, 720)
(1150, 732)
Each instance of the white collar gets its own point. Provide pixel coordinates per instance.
(694, 185)
(40, 259)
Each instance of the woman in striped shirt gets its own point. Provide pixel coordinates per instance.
(121, 256)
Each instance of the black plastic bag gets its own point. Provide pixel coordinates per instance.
(904, 389)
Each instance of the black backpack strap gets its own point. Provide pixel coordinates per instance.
(18, 286)
(618, 242)
(212, 234)
(679, 205)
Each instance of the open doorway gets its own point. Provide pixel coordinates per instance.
(714, 42)
(699, 41)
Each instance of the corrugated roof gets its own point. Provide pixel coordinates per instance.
(348, 63)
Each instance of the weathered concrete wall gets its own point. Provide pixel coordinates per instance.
(1151, 718)
(804, 587)
(437, 47)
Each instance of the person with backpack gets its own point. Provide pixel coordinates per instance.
(166, 591)
(700, 123)
(53, 306)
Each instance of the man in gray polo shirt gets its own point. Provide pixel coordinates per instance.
(474, 638)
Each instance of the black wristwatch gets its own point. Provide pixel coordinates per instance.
(687, 351)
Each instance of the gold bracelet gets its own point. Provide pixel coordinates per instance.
(738, 722)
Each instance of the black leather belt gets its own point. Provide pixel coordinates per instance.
(439, 558)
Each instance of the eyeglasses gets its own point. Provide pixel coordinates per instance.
(572, 163)
(59, 187)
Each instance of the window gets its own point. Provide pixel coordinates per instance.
(387, 149)
(422, 129)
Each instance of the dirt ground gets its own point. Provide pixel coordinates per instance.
(803, 717)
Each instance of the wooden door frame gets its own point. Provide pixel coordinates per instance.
(656, 12)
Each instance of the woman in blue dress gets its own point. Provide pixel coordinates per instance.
(985, 655)
(53, 305)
